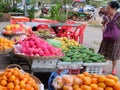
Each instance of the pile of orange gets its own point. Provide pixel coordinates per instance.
(90, 82)
(13, 79)
(5, 44)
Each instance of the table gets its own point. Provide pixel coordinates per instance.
(56, 25)
(15, 19)
(33, 24)
(61, 24)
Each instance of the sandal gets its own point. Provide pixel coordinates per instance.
(114, 72)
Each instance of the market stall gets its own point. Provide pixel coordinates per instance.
(46, 53)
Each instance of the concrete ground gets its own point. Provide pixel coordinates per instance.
(92, 38)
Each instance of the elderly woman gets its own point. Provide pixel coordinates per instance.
(111, 49)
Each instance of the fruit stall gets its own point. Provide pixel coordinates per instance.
(77, 67)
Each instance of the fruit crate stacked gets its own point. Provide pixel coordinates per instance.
(85, 57)
(72, 67)
(44, 65)
(95, 64)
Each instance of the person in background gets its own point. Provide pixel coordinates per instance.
(81, 9)
(111, 49)
(39, 4)
(74, 17)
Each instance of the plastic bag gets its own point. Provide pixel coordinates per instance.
(54, 43)
(57, 82)
(53, 76)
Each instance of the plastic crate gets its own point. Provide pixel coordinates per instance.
(74, 71)
(94, 67)
(65, 65)
(44, 63)
(72, 67)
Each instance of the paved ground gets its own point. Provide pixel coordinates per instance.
(92, 38)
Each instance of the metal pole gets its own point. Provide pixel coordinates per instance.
(25, 7)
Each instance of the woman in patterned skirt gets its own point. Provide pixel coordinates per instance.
(111, 49)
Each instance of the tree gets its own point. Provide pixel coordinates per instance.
(88, 1)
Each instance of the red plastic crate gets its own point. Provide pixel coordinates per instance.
(74, 71)
(71, 71)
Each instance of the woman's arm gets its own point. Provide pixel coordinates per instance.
(118, 22)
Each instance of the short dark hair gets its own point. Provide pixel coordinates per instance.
(74, 15)
(113, 4)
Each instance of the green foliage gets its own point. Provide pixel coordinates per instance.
(15, 9)
(4, 7)
(31, 13)
(55, 13)
(1, 14)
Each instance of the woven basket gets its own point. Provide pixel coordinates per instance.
(19, 67)
(39, 57)
(6, 51)
(46, 36)
(12, 34)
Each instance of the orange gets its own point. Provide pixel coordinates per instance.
(15, 73)
(3, 82)
(108, 88)
(5, 88)
(81, 76)
(99, 88)
(101, 78)
(10, 85)
(27, 74)
(12, 70)
(36, 87)
(1, 88)
(77, 81)
(75, 86)
(23, 89)
(28, 87)
(16, 82)
(22, 84)
(86, 74)
(67, 87)
(25, 80)
(102, 85)
(8, 74)
(94, 86)
(16, 69)
(94, 80)
(117, 86)
(4, 77)
(109, 82)
(86, 80)
(17, 87)
(12, 78)
(85, 87)
(94, 76)
(30, 83)
(21, 76)
(116, 79)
